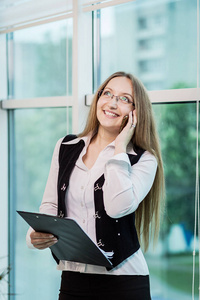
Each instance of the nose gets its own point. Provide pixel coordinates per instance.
(113, 101)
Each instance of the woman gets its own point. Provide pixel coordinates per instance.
(114, 188)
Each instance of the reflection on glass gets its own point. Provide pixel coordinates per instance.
(40, 61)
(170, 264)
(147, 38)
(35, 133)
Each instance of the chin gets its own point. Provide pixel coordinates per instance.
(110, 129)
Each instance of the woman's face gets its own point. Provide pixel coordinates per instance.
(110, 111)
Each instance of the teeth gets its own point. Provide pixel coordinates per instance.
(110, 114)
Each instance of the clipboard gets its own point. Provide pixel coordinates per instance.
(73, 243)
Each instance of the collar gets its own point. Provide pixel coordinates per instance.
(86, 140)
(89, 136)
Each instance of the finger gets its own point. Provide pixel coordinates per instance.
(41, 235)
(134, 118)
(42, 245)
(41, 241)
(130, 119)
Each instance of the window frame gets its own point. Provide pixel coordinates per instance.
(79, 101)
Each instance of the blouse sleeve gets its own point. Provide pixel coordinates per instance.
(50, 198)
(49, 201)
(125, 185)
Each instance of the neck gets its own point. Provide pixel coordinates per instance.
(103, 138)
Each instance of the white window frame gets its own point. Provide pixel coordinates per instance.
(4, 252)
(166, 96)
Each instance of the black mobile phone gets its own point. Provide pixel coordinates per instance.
(124, 122)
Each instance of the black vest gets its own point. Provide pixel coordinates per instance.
(117, 235)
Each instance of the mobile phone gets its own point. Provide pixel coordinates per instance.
(124, 122)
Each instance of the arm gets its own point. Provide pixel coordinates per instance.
(125, 185)
(50, 198)
(48, 206)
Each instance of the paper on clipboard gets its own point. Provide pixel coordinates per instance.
(73, 243)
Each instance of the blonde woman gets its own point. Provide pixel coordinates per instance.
(114, 184)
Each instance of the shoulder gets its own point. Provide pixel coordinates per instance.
(62, 141)
(69, 137)
(67, 140)
(147, 163)
(147, 156)
(141, 155)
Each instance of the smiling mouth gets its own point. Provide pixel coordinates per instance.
(108, 113)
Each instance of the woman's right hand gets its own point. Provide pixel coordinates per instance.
(42, 240)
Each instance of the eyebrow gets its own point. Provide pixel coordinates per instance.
(122, 93)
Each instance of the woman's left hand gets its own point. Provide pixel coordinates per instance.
(126, 134)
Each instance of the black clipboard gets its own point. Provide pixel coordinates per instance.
(73, 243)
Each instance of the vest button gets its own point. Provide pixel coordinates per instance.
(118, 234)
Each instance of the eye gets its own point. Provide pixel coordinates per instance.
(124, 99)
(107, 93)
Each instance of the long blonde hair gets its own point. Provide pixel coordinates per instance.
(145, 137)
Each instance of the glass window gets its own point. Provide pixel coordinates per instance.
(142, 23)
(147, 38)
(170, 264)
(150, 44)
(40, 61)
(33, 138)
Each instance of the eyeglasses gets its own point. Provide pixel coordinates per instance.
(120, 99)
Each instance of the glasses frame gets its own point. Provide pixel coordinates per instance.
(117, 97)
